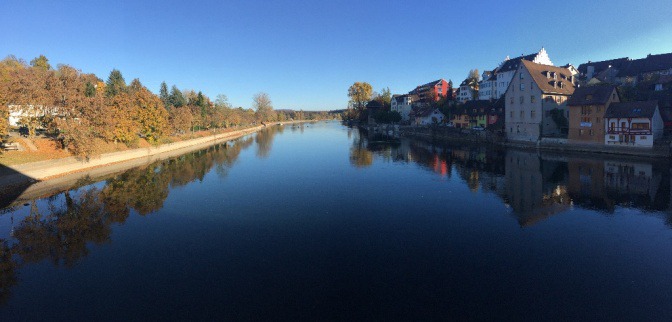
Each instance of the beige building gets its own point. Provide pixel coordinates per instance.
(536, 102)
(586, 113)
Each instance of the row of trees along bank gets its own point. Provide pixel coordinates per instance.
(81, 110)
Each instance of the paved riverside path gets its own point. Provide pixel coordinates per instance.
(49, 169)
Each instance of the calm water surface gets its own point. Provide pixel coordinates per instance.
(319, 222)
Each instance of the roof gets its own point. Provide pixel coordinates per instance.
(400, 98)
(423, 111)
(664, 79)
(424, 87)
(512, 64)
(539, 73)
(649, 64)
(618, 63)
(591, 95)
(631, 109)
(374, 104)
(630, 67)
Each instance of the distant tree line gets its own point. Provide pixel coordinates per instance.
(81, 110)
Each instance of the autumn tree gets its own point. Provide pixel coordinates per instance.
(181, 120)
(263, 106)
(472, 82)
(115, 83)
(151, 116)
(359, 94)
(384, 97)
(40, 62)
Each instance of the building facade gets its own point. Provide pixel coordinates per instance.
(587, 107)
(403, 104)
(536, 101)
(432, 91)
(635, 124)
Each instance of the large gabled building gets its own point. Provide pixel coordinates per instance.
(536, 101)
(509, 67)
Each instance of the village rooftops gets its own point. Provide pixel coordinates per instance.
(651, 63)
(591, 95)
(598, 66)
(631, 109)
(551, 79)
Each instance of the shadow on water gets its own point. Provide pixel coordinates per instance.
(59, 228)
(535, 185)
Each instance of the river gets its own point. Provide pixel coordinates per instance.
(317, 221)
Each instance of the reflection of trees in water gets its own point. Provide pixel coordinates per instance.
(62, 231)
(264, 139)
(7, 271)
(360, 155)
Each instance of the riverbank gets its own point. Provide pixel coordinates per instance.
(32, 180)
(553, 145)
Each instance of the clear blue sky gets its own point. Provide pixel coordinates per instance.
(305, 54)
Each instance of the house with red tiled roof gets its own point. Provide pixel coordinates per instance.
(536, 102)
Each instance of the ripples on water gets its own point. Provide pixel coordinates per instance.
(318, 221)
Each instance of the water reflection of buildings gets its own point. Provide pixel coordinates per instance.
(535, 188)
(539, 185)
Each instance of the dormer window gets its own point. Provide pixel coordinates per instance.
(589, 97)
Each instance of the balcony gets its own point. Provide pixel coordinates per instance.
(628, 131)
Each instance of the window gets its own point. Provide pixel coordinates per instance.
(511, 113)
(643, 137)
(532, 99)
(589, 97)
(522, 115)
(640, 126)
(522, 86)
(522, 99)
(611, 137)
(580, 132)
(585, 110)
(591, 132)
(511, 100)
(521, 75)
(533, 114)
